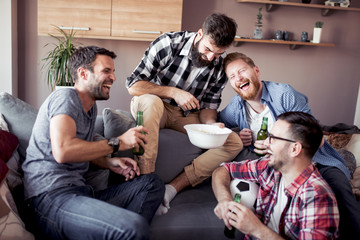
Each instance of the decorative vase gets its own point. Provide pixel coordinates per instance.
(317, 35)
(258, 32)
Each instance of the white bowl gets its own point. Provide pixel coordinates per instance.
(207, 136)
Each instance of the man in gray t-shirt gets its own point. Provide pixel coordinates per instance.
(61, 204)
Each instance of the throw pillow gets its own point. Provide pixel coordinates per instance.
(11, 226)
(8, 144)
(348, 145)
(14, 177)
(3, 124)
(116, 123)
(20, 117)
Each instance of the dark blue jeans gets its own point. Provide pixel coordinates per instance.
(122, 211)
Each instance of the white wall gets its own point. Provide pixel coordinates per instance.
(357, 110)
(8, 46)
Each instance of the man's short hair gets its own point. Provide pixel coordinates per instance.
(84, 57)
(220, 28)
(235, 56)
(305, 129)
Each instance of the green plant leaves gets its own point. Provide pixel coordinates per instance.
(56, 60)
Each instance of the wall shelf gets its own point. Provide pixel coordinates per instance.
(292, 44)
(325, 10)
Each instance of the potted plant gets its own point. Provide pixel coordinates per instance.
(258, 24)
(317, 32)
(56, 61)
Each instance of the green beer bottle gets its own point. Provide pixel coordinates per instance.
(227, 232)
(263, 132)
(139, 122)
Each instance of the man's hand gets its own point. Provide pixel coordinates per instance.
(260, 147)
(124, 166)
(186, 100)
(246, 136)
(134, 137)
(221, 210)
(248, 223)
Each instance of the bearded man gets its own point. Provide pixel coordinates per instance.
(256, 99)
(179, 81)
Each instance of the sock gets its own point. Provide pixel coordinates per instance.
(161, 210)
(170, 193)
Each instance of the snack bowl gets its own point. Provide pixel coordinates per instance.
(207, 136)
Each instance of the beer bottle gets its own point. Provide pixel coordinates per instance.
(263, 132)
(139, 122)
(227, 232)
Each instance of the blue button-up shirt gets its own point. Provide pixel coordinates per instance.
(280, 98)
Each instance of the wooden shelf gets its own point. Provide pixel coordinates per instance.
(324, 9)
(292, 44)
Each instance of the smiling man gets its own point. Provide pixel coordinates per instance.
(179, 81)
(61, 204)
(256, 99)
(294, 201)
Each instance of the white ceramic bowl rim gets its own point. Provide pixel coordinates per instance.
(207, 129)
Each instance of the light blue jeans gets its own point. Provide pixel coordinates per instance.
(122, 211)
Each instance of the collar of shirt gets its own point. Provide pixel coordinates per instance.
(186, 50)
(300, 180)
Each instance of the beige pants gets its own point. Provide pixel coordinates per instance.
(158, 114)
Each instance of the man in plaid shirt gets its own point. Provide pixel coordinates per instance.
(256, 99)
(294, 201)
(179, 81)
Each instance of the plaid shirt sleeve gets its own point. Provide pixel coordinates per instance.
(155, 57)
(248, 169)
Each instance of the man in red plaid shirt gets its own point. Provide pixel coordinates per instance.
(294, 201)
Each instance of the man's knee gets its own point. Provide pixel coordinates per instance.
(151, 105)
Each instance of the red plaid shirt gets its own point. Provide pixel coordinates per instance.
(311, 212)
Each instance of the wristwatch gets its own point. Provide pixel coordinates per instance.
(114, 143)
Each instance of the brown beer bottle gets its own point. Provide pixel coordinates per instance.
(139, 122)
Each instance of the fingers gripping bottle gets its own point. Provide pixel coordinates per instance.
(227, 232)
(139, 122)
(263, 132)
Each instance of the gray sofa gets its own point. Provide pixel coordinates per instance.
(191, 214)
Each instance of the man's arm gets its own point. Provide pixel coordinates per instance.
(221, 188)
(184, 99)
(67, 147)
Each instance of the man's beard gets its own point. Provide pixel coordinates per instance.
(96, 89)
(280, 161)
(197, 58)
(250, 95)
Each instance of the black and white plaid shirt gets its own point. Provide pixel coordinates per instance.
(167, 62)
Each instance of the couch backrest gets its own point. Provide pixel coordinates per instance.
(20, 117)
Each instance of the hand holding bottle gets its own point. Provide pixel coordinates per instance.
(261, 136)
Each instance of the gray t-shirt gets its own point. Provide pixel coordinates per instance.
(41, 171)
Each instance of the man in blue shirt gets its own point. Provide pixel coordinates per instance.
(256, 99)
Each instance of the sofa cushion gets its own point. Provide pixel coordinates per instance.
(173, 156)
(20, 117)
(116, 123)
(191, 217)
